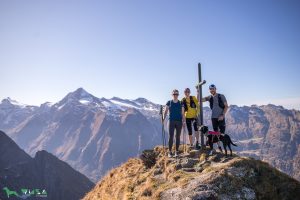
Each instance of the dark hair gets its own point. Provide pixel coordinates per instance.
(187, 90)
(175, 91)
(212, 86)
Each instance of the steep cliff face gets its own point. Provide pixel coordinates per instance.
(44, 172)
(270, 133)
(195, 175)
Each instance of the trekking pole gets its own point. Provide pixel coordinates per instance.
(164, 138)
(184, 140)
(163, 128)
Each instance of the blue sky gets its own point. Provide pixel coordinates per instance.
(250, 49)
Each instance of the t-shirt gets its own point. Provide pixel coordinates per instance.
(175, 110)
(216, 110)
(191, 112)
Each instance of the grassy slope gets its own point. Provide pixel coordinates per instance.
(133, 181)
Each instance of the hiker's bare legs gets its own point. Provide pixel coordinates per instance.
(197, 135)
(191, 139)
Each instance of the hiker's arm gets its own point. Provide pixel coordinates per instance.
(225, 109)
(225, 104)
(222, 116)
(183, 116)
(205, 99)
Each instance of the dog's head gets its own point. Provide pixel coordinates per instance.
(204, 129)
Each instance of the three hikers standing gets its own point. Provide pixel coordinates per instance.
(186, 112)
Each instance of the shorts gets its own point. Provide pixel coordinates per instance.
(191, 122)
(219, 126)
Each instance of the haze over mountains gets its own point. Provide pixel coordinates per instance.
(96, 134)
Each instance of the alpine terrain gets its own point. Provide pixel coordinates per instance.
(94, 134)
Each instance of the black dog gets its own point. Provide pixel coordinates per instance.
(224, 138)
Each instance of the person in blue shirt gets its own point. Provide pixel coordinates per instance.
(176, 121)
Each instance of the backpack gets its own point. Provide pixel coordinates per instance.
(171, 103)
(221, 103)
(192, 103)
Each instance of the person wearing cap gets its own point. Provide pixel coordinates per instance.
(176, 121)
(219, 106)
(192, 109)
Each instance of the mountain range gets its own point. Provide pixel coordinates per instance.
(91, 134)
(41, 177)
(94, 134)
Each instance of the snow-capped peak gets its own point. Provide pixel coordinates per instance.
(141, 100)
(47, 105)
(78, 96)
(9, 101)
(82, 92)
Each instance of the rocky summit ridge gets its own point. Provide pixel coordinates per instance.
(194, 175)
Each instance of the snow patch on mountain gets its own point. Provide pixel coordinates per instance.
(85, 101)
(9, 101)
(111, 106)
(122, 104)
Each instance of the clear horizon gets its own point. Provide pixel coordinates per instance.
(132, 49)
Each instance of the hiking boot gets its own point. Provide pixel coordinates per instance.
(170, 155)
(220, 148)
(176, 154)
(197, 147)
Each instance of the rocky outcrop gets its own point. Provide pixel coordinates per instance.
(149, 158)
(195, 175)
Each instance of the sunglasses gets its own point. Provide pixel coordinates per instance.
(175, 94)
(187, 92)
